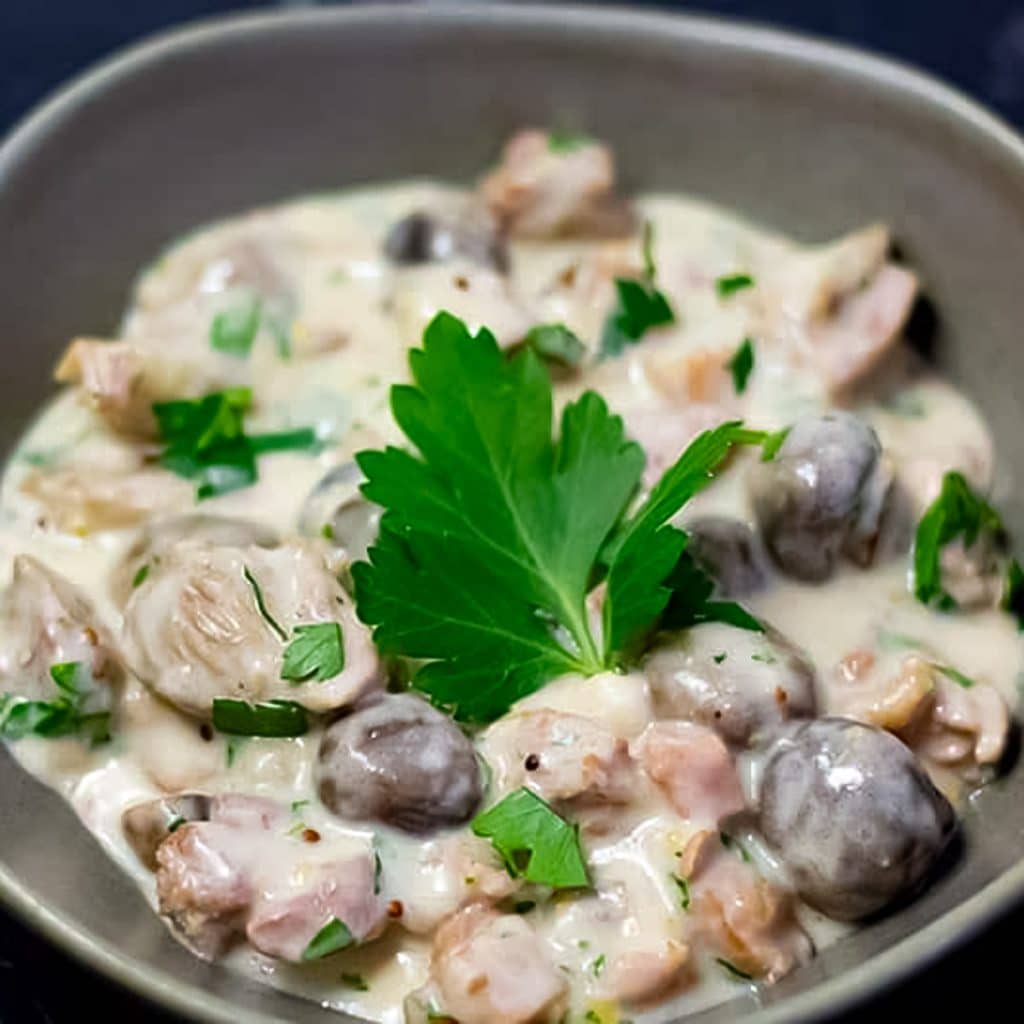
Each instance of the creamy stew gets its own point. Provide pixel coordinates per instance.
(655, 639)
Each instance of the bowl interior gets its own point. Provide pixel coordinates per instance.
(810, 139)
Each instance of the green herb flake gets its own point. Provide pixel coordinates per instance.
(233, 748)
(234, 329)
(556, 344)
(732, 843)
(764, 657)
(204, 440)
(954, 675)
(356, 982)
(639, 305)
(684, 891)
(690, 601)
(597, 966)
(740, 366)
(773, 442)
(732, 970)
(53, 719)
(488, 549)
(327, 531)
(562, 141)
(261, 606)
(719, 658)
(524, 906)
(175, 823)
(334, 936)
(534, 842)
(315, 652)
(140, 576)
(272, 718)
(297, 805)
(730, 284)
(958, 512)
(1013, 595)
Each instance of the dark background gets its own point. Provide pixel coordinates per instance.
(976, 44)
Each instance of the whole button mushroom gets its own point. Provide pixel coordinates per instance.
(741, 683)
(400, 762)
(822, 495)
(852, 814)
(435, 236)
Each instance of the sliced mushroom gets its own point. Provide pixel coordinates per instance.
(440, 235)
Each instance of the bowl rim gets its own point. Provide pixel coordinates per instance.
(870, 977)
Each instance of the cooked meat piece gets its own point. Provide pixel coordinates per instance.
(561, 757)
(491, 969)
(694, 768)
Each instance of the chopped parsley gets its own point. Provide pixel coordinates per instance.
(140, 576)
(556, 344)
(175, 823)
(958, 512)
(494, 534)
(334, 936)
(356, 982)
(204, 440)
(732, 970)
(773, 442)
(297, 805)
(954, 675)
(730, 284)
(639, 307)
(562, 141)
(261, 606)
(233, 748)
(719, 658)
(741, 365)
(684, 891)
(534, 842)
(233, 330)
(63, 716)
(731, 843)
(275, 718)
(316, 652)
(1013, 595)
(597, 966)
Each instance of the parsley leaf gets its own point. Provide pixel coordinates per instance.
(534, 842)
(316, 652)
(957, 512)
(356, 982)
(690, 602)
(334, 936)
(261, 606)
(684, 891)
(647, 552)
(741, 365)
(556, 344)
(234, 329)
(140, 576)
(730, 284)
(204, 440)
(488, 542)
(640, 305)
(732, 970)
(494, 534)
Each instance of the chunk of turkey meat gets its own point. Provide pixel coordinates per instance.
(46, 620)
(490, 968)
(562, 757)
(540, 190)
(194, 629)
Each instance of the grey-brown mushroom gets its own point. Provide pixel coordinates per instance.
(400, 762)
(852, 814)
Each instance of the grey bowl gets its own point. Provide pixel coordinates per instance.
(229, 114)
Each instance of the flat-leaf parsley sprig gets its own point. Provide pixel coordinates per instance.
(494, 533)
